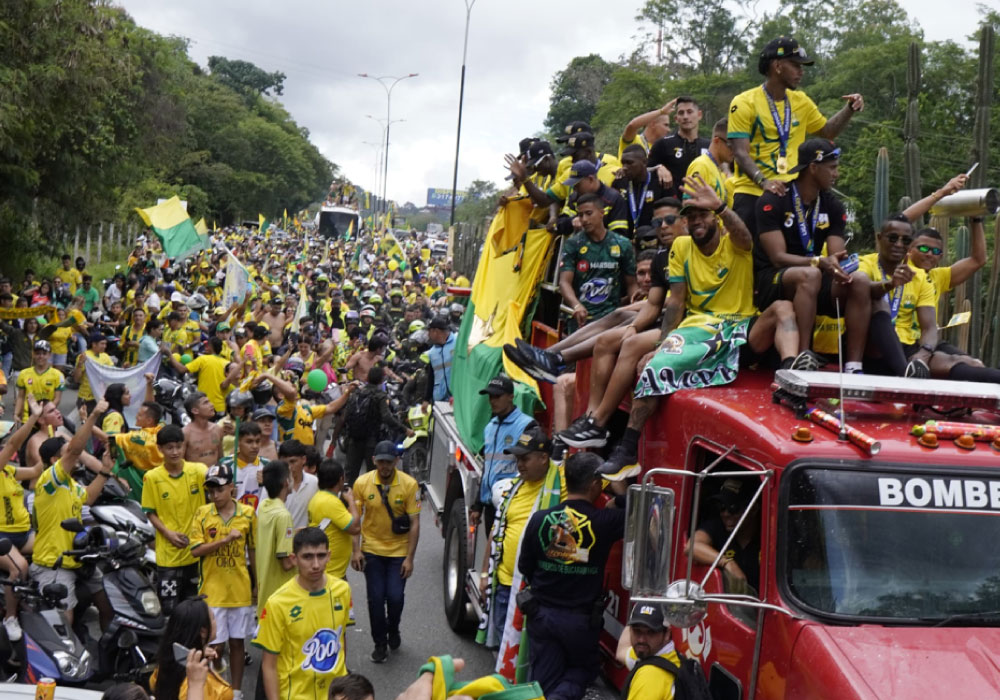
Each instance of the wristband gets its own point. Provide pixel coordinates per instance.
(718, 210)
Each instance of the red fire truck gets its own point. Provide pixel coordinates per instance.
(879, 564)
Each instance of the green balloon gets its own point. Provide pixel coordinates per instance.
(317, 380)
(185, 358)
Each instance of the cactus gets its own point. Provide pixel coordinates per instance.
(880, 203)
(911, 127)
(904, 203)
(981, 154)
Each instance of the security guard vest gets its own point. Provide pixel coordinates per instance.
(440, 357)
(498, 436)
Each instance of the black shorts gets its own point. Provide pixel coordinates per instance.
(177, 583)
(18, 539)
(767, 289)
(745, 206)
(751, 359)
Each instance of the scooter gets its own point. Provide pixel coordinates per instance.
(126, 651)
(115, 509)
(48, 647)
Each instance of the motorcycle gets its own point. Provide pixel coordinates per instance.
(126, 651)
(48, 647)
(415, 447)
(113, 508)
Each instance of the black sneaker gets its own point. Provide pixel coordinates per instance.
(540, 364)
(622, 464)
(584, 432)
(917, 369)
(380, 654)
(394, 640)
(807, 361)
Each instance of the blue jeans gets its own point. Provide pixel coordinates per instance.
(499, 609)
(384, 585)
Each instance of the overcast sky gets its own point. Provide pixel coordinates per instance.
(515, 47)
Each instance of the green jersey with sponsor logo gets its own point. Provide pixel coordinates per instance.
(599, 271)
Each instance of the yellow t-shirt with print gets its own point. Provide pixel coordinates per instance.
(377, 536)
(750, 118)
(306, 630)
(328, 513)
(275, 532)
(912, 295)
(131, 334)
(139, 447)
(176, 339)
(516, 517)
(940, 280)
(651, 682)
(224, 578)
(719, 285)
(113, 423)
(85, 391)
(42, 385)
(72, 276)
(15, 516)
(295, 421)
(193, 331)
(58, 497)
(175, 499)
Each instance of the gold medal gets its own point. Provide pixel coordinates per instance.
(783, 165)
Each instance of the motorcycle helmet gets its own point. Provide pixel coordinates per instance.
(197, 301)
(421, 338)
(456, 309)
(416, 325)
(351, 316)
(366, 295)
(368, 310)
(374, 299)
(296, 366)
(262, 393)
(348, 286)
(239, 399)
(395, 292)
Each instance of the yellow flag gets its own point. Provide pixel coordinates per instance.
(201, 227)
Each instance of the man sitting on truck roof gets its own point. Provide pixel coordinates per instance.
(708, 316)
(910, 298)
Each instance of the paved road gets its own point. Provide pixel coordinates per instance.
(424, 630)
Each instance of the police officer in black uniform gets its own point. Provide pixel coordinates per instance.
(563, 553)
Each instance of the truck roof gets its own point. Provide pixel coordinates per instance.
(744, 413)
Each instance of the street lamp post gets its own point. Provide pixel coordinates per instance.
(469, 4)
(385, 140)
(378, 169)
(387, 86)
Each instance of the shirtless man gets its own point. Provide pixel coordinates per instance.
(50, 424)
(364, 360)
(275, 319)
(202, 438)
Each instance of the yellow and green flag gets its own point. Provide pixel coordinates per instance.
(262, 223)
(172, 225)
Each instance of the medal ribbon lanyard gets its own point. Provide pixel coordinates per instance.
(633, 209)
(897, 295)
(783, 129)
(805, 233)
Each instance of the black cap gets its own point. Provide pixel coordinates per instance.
(731, 495)
(525, 143)
(579, 170)
(499, 385)
(647, 615)
(645, 237)
(440, 323)
(219, 475)
(537, 151)
(783, 47)
(385, 450)
(532, 440)
(572, 128)
(582, 139)
(263, 414)
(815, 150)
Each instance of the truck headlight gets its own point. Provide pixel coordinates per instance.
(150, 603)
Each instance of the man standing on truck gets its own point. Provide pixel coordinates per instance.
(499, 468)
(539, 486)
(442, 348)
(564, 551)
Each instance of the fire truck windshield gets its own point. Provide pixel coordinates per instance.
(906, 545)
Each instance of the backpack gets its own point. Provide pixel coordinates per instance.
(361, 415)
(689, 679)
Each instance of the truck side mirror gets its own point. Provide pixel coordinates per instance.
(648, 540)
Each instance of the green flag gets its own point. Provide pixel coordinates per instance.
(174, 228)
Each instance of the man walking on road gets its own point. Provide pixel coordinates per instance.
(389, 507)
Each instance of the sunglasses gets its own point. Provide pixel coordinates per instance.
(667, 220)
(929, 249)
(732, 510)
(893, 238)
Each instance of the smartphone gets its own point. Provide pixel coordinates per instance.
(181, 653)
(850, 263)
(972, 169)
(113, 450)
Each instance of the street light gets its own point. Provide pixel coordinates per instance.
(378, 169)
(461, 98)
(382, 80)
(382, 124)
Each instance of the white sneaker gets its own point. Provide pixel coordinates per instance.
(13, 628)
